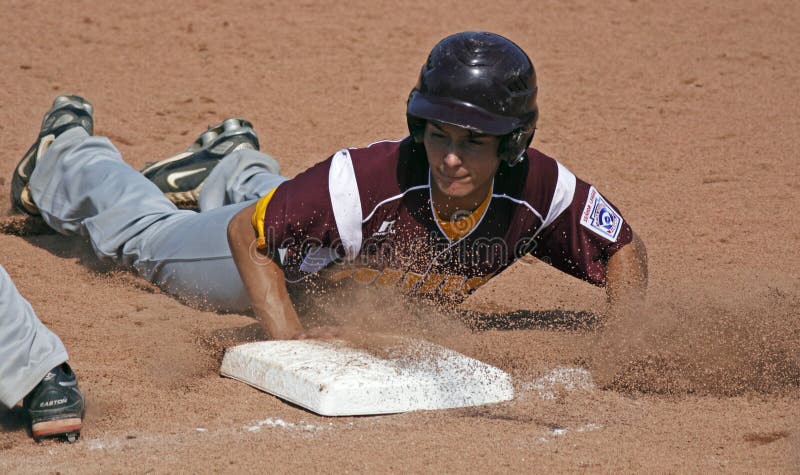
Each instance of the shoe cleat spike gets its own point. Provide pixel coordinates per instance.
(208, 137)
(231, 124)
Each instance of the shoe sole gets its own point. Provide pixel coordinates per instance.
(77, 105)
(208, 140)
(185, 199)
(68, 427)
(20, 180)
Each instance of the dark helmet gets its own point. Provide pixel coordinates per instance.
(480, 81)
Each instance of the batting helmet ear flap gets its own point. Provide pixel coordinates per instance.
(416, 127)
(512, 146)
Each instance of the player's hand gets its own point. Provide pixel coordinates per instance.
(321, 333)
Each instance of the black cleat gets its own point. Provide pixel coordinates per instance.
(67, 112)
(56, 405)
(181, 177)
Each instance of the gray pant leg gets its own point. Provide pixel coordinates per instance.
(28, 349)
(242, 176)
(82, 186)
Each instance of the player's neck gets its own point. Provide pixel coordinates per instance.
(449, 207)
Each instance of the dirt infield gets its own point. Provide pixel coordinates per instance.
(683, 113)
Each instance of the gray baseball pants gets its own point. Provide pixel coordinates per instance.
(28, 350)
(83, 187)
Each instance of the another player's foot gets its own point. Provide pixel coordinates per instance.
(67, 112)
(182, 177)
(56, 406)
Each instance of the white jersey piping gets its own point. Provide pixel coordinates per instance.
(521, 202)
(392, 198)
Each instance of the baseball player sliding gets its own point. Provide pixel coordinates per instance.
(434, 215)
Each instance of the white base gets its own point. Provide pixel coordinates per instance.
(331, 379)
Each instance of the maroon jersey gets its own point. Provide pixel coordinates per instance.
(365, 214)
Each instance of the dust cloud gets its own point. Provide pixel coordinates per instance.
(719, 340)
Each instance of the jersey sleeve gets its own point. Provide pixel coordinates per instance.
(315, 218)
(584, 236)
(299, 219)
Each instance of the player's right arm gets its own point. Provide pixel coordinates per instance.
(300, 216)
(263, 280)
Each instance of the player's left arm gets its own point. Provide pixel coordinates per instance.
(626, 274)
(591, 240)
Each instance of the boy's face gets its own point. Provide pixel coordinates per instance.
(462, 163)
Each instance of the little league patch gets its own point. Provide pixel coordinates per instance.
(600, 217)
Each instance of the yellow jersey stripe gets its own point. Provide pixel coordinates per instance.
(258, 218)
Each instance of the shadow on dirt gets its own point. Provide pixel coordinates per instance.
(74, 247)
(36, 232)
(23, 225)
(13, 420)
(564, 320)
